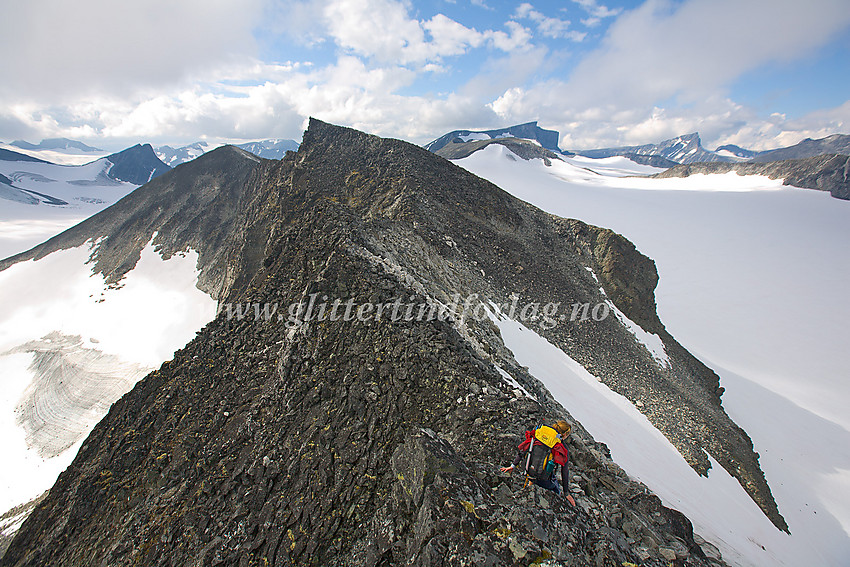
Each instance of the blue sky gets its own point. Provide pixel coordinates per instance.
(758, 73)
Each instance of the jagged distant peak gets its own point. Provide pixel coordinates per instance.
(686, 148)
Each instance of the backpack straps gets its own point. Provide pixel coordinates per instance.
(528, 458)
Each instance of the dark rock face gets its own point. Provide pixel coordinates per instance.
(136, 165)
(376, 442)
(824, 172)
(529, 131)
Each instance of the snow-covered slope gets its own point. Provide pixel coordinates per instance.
(70, 345)
(41, 199)
(752, 277)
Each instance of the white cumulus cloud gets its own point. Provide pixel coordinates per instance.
(57, 49)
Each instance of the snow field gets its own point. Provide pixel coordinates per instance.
(156, 310)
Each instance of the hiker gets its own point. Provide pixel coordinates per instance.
(539, 459)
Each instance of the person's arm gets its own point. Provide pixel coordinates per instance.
(517, 459)
(523, 449)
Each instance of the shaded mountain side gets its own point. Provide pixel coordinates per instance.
(651, 160)
(374, 442)
(210, 205)
(335, 443)
(137, 165)
(521, 147)
(9, 155)
(824, 173)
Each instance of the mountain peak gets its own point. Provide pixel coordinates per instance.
(137, 165)
(693, 137)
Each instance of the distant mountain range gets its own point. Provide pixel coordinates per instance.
(268, 149)
(63, 144)
(526, 149)
(688, 149)
(685, 149)
(812, 164)
(682, 149)
(136, 165)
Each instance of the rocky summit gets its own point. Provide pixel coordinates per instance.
(282, 435)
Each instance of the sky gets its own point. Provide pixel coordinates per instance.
(758, 73)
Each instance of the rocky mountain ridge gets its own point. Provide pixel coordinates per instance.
(828, 172)
(837, 144)
(374, 442)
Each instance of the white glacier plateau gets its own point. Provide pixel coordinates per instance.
(85, 189)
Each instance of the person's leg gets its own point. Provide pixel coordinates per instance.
(550, 484)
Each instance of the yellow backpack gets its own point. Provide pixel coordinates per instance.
(539, 464)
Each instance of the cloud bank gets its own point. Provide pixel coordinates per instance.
(176, 72)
